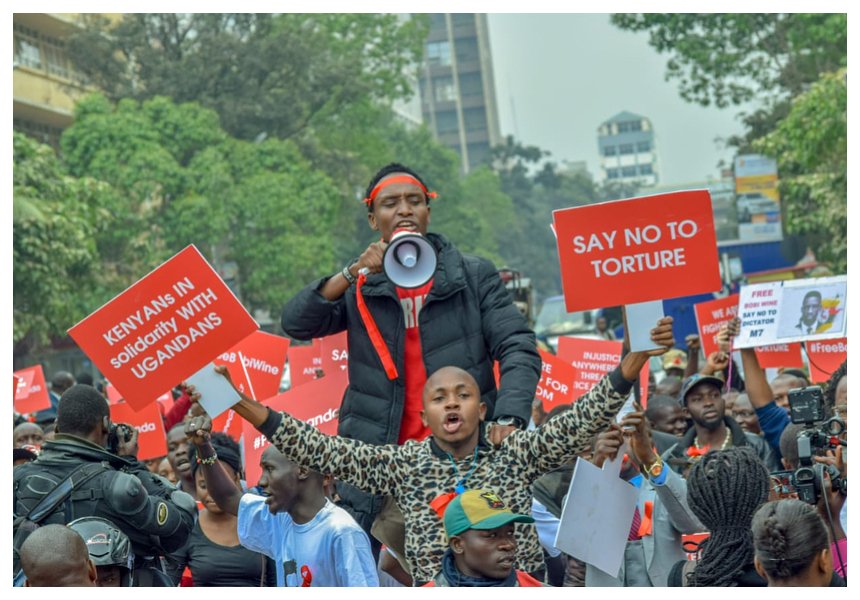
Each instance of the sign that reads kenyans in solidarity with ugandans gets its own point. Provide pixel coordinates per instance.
(637, 250)
(163, 328)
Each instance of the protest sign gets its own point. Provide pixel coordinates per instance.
(227, 421)
(712, 315)
(556, 382)
(592, 359)
(151, 440)
(265, 355)
(163, 328)
(825, 357)
(637, 250)
(779, 355)
(31, 392)
(316, 402)
(640, 319)
(305, 364)
(113, 394)
(216, 393)
(792, 311)
(335, 357)
(597, 515)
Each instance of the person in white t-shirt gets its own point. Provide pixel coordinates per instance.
(313, 542)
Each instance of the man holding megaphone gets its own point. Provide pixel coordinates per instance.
(467, 319)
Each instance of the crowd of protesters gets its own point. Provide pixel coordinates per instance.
(438, 477)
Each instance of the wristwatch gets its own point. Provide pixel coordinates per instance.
(347, 275)
(515, 421)
(656, 468)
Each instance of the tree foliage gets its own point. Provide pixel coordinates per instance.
(811, 145)
(55, 220)
(265, 75)
(724, 59)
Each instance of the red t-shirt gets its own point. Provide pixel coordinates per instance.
(411, 427)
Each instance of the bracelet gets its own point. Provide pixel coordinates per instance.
(347, 275)
(209, 460)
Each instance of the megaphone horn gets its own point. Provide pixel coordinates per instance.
(409, 260)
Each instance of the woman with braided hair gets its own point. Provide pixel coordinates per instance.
(792, 547)
(724, 489)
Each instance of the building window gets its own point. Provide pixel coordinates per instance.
(643, 147)
(475, 119)
(645, 170)
(471, 85)
(443, 89)
(461, 19)
(45, 134)
(439, 53)
(626, 126)
(467, 50)
(437, 21)
(628, 171)
(479, 154)
(610, 151)
(612, 173)
(446, 122)
(39, 51)
(625, 149)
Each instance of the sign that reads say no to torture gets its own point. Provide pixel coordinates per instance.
(637, 250)
(163, 328)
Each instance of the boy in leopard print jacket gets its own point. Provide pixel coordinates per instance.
(457, 455)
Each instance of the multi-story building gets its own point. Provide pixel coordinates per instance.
(45, 85)
(458, 93)
(628, 153)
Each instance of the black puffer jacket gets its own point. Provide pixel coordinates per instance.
(467, 321)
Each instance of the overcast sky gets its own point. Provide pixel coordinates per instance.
(558, 76)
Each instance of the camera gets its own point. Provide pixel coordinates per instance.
(807, 409)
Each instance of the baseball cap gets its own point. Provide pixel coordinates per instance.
(694, 380)
(479, 509)
(674, 359)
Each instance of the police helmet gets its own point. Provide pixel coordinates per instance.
(107, 545)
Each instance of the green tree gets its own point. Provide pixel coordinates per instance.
(726, 59)
(181, 179)
(811, 148)
(55, 220)
(265, 75)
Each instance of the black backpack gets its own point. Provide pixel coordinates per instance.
(23, 526)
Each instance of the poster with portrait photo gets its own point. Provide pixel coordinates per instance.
(792, 311)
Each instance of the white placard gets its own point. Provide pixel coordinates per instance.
(642, 317)
(216, 393)
(597, 515)
(792, 311)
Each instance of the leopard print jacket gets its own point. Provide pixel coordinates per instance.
(417, 472)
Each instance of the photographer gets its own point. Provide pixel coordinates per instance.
(156, 521)
(831, 501)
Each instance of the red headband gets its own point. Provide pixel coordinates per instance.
(398, 179)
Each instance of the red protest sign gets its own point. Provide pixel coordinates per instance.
(556, 382)
(31, 392)
(165, 327)
(151, 438)
(825, 357)
(265, 355)
(779, 355)
(113, 394)
(335, 355)
(710, 316)
(316, 402)
(637, 250)
(592, 359)
(305, 361)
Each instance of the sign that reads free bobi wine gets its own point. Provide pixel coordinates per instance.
(637, 250)
(165, 327)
